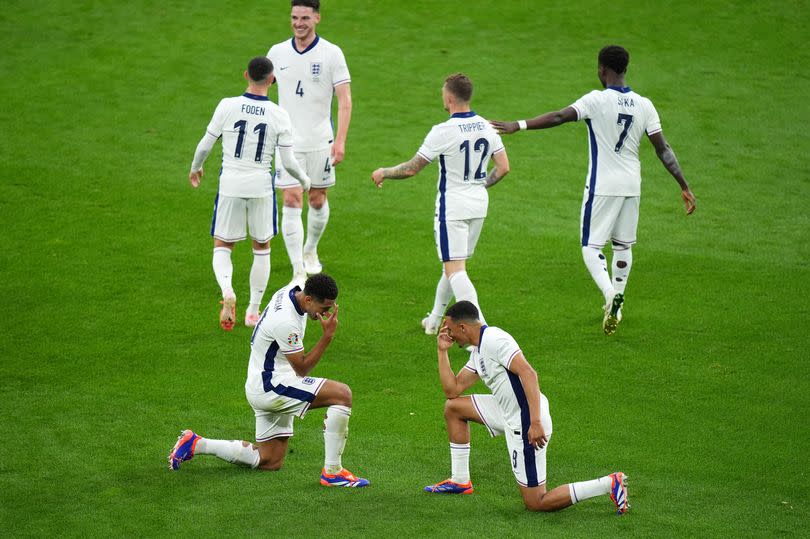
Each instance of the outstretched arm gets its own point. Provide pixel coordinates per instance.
(500, 169)
(544, 121)
(401, 171)
(667, 157)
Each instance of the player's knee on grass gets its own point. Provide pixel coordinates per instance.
(271, 455)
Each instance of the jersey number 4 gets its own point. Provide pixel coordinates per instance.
(481, 146)
(628, 121)
(299, 90)
(241, 125)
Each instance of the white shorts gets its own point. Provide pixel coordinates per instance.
(606, 218)
(234, 216)
(275, 409)
(317, 164)
(528, 463)
(456, 240)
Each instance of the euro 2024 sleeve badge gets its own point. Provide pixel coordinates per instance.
(293, 339)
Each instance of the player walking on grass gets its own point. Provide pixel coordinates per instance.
(310, 70)
(616, 117)
(251, 127)
(279, 387)
(463, 145)
(516, 409)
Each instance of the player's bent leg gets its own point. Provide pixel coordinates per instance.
(458, 413)
(272, 453)
(333, 393)
(537, 499)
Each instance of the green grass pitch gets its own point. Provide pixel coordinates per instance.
(110, 343)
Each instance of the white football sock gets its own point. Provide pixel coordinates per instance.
(335, 432)
(622, 262)
(444, 292)
(259, 275)
(596, 264)
(460, 462)
(223, 270)
(229, 450)
(292, 228)
(589, 489)
(316, 224)
(463, 289)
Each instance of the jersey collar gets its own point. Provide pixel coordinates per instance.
(622, 89)
(293, 290)
(256, 97)
(311, 45)
(481, 337)
(463, 114)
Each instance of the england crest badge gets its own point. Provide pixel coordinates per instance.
(315, 70)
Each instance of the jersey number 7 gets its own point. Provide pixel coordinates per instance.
(628, 121)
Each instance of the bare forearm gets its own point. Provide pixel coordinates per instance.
(311, 358)
(670, 161)
(494, 176)
(344, 119)
(544, 121)
(447, 376)
(532, 390)
(402, 170)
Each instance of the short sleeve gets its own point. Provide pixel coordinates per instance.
(507, 350)
(496, 143)
(433, 144)
(285, 137)
(217, 122)
(340, 73)
(470, 365)
(653, 121)
(587, 104)
(289, 339)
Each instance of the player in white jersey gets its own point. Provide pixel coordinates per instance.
(310, 70)
(252, 128)
(463, 144)
(279, 387)
(516, 409)
(617, 119)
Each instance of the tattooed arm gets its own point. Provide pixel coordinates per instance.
(401, 171)
(667, 157)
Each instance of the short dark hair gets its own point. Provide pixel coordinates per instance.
(463, 311)
(314, 4)
(259, 68)
(614, 57)
(460, 86)
(321, 287)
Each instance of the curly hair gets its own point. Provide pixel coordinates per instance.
(614, 57)
(321, 287)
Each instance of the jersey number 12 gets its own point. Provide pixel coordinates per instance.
(481, 146)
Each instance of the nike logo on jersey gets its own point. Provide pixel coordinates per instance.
(283, 68)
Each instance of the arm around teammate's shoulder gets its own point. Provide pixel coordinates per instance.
(544, 121)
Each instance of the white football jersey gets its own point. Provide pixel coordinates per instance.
(251, 126)
(280, 331)
(491, 360)
(306, 84)
(463, 144)
(617, 119)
